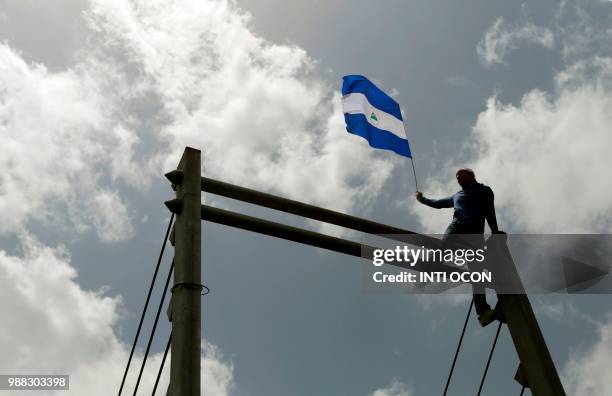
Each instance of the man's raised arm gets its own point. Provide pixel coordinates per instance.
(435, 203)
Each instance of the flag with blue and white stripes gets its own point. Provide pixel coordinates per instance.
(373, 115)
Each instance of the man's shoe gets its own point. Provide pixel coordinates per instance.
(487, 317)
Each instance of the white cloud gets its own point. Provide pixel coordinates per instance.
(547, 161)
(149, 82)
(558, 180)
(396, 388)
(58, 141)
(254, 107)
(501, 38)
(588, 372)
(110, 217)
(53, 326)
(563, 311)
(585, 29)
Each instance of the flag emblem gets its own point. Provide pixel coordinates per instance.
(374, 118)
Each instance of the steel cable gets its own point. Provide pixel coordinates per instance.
(450, 374)
(484, 375)
(161, 253)
(159, 308)
(161, 366)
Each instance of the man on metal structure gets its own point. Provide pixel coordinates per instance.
(473, 204)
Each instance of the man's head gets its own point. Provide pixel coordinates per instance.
(465, 177)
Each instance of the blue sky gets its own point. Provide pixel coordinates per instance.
(99, 98)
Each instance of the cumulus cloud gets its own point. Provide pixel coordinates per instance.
(53, 326)
(149, 82)
(558, 180)
(396, 388)
(254, 107)
(585, 28)
(58, 141)
(587, 372)
(502, 37)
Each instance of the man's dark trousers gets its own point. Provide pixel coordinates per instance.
(465, 235)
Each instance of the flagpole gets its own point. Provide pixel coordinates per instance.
(416, 185)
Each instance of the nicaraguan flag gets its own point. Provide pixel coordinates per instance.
(373, 115)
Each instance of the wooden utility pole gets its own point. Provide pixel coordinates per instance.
(186, 293)
(536, 369)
